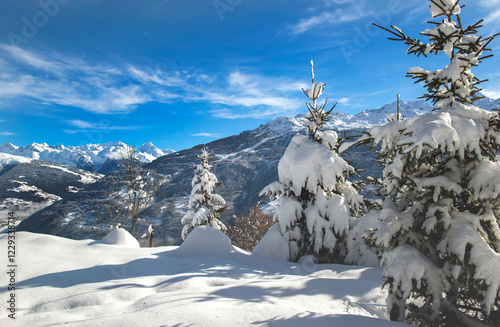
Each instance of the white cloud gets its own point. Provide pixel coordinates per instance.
(330, 2)
(157, 77)
(69, 82)
(493, 17)
(211, 135)
(83, 125)
(493, 7)
(107, 88)
(336, 17)
(71, 131)
(489, 3)
(351, 11)
(7, 133)
(260, 95)
(29, 58)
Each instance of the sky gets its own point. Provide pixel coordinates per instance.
(180, 73)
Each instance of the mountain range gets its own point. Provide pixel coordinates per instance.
(245, 163)
(97, 158)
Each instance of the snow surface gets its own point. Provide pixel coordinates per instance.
(62, 281)
(273, 245)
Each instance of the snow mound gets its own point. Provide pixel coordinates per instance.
(273, 245)
(119, 237)
(205, 241)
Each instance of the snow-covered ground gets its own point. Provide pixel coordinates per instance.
(204, 282)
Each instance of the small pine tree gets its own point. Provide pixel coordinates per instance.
(316, 200)
(205, 207)
(439, 234)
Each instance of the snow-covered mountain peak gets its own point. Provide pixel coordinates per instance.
(8, 146)
(282, 124)
(149, 148)
(92, 157)
(148, 152)
(117, 144)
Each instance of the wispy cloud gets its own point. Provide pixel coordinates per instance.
(261, 96)
(109, 88)
(104, 126)
(349, 11)
(66, 81)
(7, 133)
(157, 77)
(29, 58)
(211, 135)
(493, 6)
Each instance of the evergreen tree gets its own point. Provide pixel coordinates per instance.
(456, 82)
(205, 207)
(315, 198)
(439, 234)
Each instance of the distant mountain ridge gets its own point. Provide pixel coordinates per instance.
(90, 157)
(366, 119)
(341, 121)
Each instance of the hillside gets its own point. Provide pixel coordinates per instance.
(30, 185)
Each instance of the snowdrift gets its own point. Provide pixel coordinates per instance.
(204, 282)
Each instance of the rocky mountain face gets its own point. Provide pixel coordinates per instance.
(97, 158)
(246, 163)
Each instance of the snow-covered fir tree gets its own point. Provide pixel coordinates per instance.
(439, 233)
(316, 201)
(204, 207)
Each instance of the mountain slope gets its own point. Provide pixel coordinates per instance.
(9, 161)
(31, 186)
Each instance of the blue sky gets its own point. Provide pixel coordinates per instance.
(184, 72)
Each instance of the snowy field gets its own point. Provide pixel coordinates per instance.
(204, 282)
